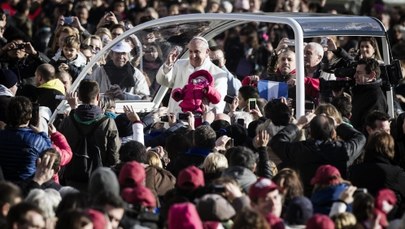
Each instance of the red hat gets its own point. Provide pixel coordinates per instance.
(386, 195)
(190, 178)
(132, 174)
(327, 175)
(184, 216)
(261, 188)
(98, 219)
(139, 195)
(319, 221)
(204, 73)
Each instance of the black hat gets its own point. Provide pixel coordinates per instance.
(8, 78)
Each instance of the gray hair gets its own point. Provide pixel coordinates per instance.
(47, 200)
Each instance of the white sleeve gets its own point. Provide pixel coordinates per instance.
(141, 86)
(337, 207)
(137, 133)
(165, 78)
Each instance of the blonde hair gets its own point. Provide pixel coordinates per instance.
(154, 159)
(344, 220)
(70, 31)
(214, 162)
(329, 110)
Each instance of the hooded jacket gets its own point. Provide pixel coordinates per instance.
(106, 135)
(193, 93)
(51, 93)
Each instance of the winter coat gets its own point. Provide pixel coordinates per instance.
(19, 150)
(193, 94)
(367, 98)
(75, 66)
(106, 135)
(61, 145)
(323, 198)
(136, 91)
(307, 156)
(383, 173)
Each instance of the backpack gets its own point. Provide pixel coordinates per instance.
(86, 154)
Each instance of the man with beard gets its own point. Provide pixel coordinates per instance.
(118, 78)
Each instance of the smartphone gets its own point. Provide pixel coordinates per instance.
(309, 106)
(68, 20)
(164, 118)
(240, 121)
(360, 190)
(252, 104)
(291, 42)
(35, 114)
(183, 116)
(324, 42)
(229, 99)
(218, 188)
(231, 142)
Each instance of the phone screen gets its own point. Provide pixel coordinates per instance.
(252, 104)
(240, 121)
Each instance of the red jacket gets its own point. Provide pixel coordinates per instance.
(194, 93)
(61, 145)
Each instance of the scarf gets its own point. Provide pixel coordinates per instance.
(121, 76)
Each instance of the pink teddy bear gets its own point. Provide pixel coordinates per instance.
(200, 87)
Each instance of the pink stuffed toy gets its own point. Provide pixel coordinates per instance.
(200, 87)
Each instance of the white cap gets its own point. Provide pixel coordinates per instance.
(122, 46)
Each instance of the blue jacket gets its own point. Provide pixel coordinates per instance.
(322, 199)
(19, 150)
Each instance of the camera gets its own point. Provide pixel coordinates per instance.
(183, 116)
(229, 99)
(20, 46)
(68, 20)
(164, 118)
(309, 106)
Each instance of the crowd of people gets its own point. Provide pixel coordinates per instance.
(217, 153)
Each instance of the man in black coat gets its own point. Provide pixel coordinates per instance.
(367, 95)
(321, 149)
